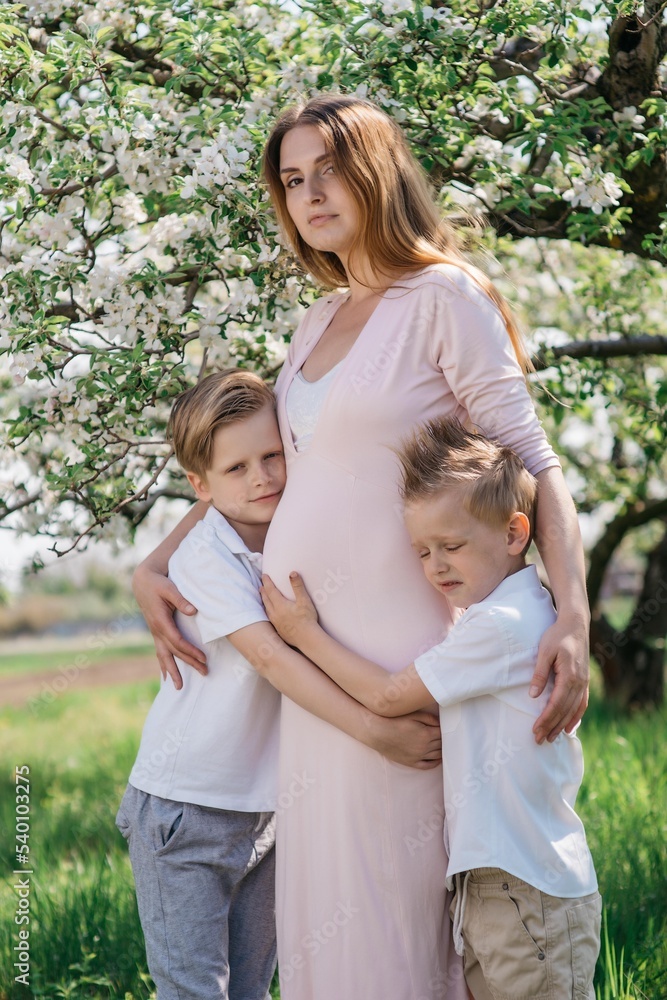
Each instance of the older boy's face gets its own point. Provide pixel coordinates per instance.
(464, 558)
(247, 474)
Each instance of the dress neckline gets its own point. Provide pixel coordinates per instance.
(322, 378)
(337, 301)
(313, 339)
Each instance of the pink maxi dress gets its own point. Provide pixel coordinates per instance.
(362, 909)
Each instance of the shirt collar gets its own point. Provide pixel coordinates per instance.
(227, 535)
(522, 581)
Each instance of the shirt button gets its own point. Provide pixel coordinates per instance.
(505, 885)
(541, 956)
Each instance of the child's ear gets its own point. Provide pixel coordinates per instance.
(199, 485)
(518, 533)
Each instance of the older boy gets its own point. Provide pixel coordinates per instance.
(526, 909)
(198, 810)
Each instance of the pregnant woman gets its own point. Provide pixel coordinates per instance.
(419, 333)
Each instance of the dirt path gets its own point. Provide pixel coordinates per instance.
(21, 689)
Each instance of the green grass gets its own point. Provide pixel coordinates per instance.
(623, 804)
(85, 924)
(34, 662)
(85, 935)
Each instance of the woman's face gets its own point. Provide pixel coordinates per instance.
(322, 209)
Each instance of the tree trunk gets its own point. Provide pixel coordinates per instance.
(632, 660)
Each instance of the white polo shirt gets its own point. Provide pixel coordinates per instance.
(509, 803)
(214, 742)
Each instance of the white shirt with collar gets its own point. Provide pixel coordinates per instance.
(214, 742)
(509, 803)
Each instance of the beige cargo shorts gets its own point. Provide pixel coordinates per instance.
(522, 944)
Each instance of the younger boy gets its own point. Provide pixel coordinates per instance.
(526, 911)
(198, 808)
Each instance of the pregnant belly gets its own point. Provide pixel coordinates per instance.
(346, 538)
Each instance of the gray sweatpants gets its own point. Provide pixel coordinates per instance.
(205, 888)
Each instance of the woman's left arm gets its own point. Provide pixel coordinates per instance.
(564, 647)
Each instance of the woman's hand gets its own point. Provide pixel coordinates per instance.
(413, 740)
(564, 649)
(289, 618)
(158, 598)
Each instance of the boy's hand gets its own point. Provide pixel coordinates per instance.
(289, 618)
(412, 740)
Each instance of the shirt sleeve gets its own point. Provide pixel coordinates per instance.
(219, 585)
(473, 350)
(473, 660)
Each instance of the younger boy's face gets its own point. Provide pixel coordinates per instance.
(463, 558)
(247, 474)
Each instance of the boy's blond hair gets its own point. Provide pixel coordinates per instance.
(219, 399)
(493, 480)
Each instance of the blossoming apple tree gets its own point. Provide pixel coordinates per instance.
(138, 249)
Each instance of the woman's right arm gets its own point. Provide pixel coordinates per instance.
(158, 598)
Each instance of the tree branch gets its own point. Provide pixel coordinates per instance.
(6, 510)
(144, 489)
(632, 516)
(624, 347)
(637, 46)
(78, 185)
(137, 511)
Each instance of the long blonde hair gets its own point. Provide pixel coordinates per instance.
(403, 229)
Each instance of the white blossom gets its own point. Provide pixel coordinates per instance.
(439, 13)
(629, 116)
(490, 194)
(82, 409)
(167, 229)
(212, 318)
(65, 391)
(72, 453)
(484, 148)
(392, 7)
(18, 166)
(10, 112)
(20, 365)
(267, 254)
(487, 106)
(128, 209)
(189, 187)
(142, 128)
(594, 190)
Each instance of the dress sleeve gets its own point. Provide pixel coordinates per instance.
(473, 350)
(472, 660)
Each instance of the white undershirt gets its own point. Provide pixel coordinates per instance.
(304, 403)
